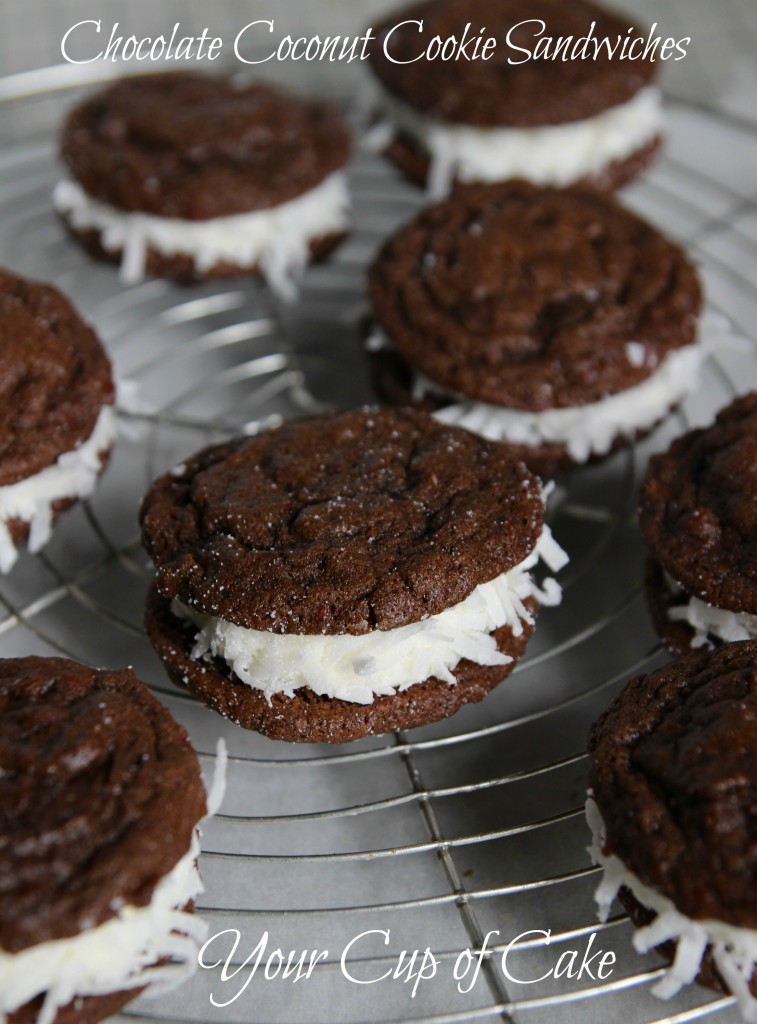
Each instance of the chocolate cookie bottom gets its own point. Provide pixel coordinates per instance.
(81, 1009)
(414, 163)
(308, 717)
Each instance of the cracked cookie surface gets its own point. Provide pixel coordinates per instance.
(55, 377)
(100, 793)
(528, 297)
(191, 146)
(344, 523)
(698, 509)
(674, 773)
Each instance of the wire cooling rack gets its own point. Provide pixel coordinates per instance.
(432, 839)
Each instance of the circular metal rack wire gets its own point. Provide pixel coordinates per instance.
(453, 837)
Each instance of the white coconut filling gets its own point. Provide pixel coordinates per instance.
(734, 949)
(73, 475)
(708, 621)
(550, 155)
(122, 953)
(360, 668)
(276, 239)
(585, 430)
(589, 429)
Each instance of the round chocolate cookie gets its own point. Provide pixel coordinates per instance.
(698, 514)
(673, 779)
(340, 532)
(532, 300)
(554, 68)
(56, 390)
(101, 796)
(185, 152)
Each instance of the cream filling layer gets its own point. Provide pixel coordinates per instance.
(74, 474)
(585, 430)
(708, 621)
(734, 949)
(590, 429)
(277, 239)
(360, 668)
(551, 155)
(118, 954)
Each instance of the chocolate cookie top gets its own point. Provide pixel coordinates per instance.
(698, 509)
(343, 523)
(674, 773)
(54, 377)
(100, 792)
(191, 146)
(528, 297)
(494, 93)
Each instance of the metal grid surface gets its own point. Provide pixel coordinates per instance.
(447, 833)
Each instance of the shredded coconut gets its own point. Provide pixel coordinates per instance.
(360, 668)
(734, 949)
(709, 621)
(585, 430)
(553, 155)
(636, 354)
(217, 788)
(74, 474)
(278, 239)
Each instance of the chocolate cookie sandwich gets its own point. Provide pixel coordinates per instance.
(551, 101)
(100, 799)
(57, 417)
(672, 809)
(552, 319)
(698, 514)
(345, 575)
(187, 176)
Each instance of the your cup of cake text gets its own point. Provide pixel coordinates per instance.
(371, 957)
